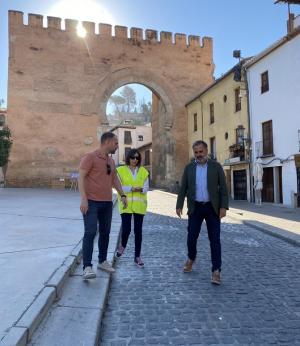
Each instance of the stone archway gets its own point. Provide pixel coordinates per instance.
(59, 85)
(165, 109)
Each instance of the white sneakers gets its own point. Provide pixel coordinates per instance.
(88, 273)
(106, 267)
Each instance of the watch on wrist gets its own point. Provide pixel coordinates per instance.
(123, 196)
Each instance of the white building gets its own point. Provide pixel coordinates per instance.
(274, 108)
(130, 136)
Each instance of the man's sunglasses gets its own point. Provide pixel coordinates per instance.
(134, 157)
(108, 169)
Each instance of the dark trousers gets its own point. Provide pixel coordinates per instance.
(126, 229)
(205, 212)
(98, 213)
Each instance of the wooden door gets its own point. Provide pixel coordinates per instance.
(240, 184)
(268, 185)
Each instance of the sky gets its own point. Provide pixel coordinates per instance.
(247, 25)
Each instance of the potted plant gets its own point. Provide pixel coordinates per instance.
(5, 146)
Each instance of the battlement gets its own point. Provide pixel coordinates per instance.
(16, 19)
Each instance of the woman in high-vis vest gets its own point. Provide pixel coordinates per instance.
(135, 183)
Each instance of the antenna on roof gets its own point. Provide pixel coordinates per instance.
(291, 16)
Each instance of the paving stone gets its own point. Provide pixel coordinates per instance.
(257, 304)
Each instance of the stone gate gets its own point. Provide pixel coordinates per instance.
(59, 85)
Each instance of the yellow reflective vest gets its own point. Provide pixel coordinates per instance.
(137, 201)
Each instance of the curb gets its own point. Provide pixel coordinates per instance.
(105, 295)
(292, 238)
(21, 332)
(80, 298)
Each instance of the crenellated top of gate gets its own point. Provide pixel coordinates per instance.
(35, 21)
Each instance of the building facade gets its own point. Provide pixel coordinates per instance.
(219, 117)
(274, 88)
(3, 113)
(130, 137)
(57, 94)
(146, 153)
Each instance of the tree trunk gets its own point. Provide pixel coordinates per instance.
(2, 175)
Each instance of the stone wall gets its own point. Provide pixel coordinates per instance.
(59, 85)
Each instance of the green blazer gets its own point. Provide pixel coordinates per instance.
(216, 185)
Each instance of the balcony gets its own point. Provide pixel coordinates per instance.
(237, 150)
(258, 149)
(237, 154)
(262, 150)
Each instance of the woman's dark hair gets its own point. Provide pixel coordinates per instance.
(131, 153)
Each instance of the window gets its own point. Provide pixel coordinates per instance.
(127, 137)
(126, 152)
(238, 99)
(213, 154)
(211, 113)
(147, 157)
(195, 123)
(267, 133)
(264, 82)
(140, 138)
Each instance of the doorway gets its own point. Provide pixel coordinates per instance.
(268, 185)
(240, 184)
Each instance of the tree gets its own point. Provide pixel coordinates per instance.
(146, 110)
(130, 98)
(118, 102)
(5, 146)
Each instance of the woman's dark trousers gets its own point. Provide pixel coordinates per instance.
(126, 229)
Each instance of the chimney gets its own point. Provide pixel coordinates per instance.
(290, 23)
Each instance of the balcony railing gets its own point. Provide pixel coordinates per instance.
(237, 150)
(258, 149)
(263, 151)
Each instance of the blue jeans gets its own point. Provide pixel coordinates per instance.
(205, 212)
(98, 212)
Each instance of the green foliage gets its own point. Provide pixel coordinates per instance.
(129, 96)
(5, 145)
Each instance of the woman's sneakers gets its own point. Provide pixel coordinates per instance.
(120, 251)
(138, 261)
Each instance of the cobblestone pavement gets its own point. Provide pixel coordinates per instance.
(258, 302)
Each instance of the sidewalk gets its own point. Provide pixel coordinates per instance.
(276, 220)
(40, 236)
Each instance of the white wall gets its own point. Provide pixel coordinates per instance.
(281, 104)
(297, 21)
(145, 131)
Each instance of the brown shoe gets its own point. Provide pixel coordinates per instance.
(188, 266)
(216, 277)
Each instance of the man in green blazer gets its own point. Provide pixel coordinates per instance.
(203, 183)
